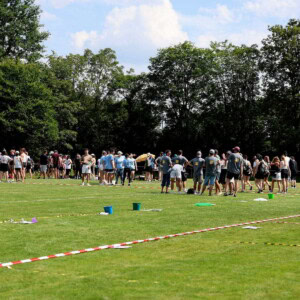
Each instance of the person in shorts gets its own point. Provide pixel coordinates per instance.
(234, 170)
(119, 166)
(4, 168)
(285, 168)
(176, 176)
(166, 163)
(218, 174)
(44, 164)
(149, 166)
(182, 160)
(55, 161)
(109, 167)
(197, 163)
(275, 173)
(211, 163)
(86, 161)
(17, 162)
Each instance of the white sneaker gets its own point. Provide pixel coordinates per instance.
(82, 184)
(88, 184)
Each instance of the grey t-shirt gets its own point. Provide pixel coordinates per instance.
(218, 166)
(211, 166)
(181, 160)
(198, 164)
(166, 164)
(234, 163)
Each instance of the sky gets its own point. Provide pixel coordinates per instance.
(136, 29)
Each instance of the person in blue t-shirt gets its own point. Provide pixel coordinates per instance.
(119, 166)
(130, 167)
(109, 167)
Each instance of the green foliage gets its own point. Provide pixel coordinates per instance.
(281, 81)
(20, 31)
(27, 116)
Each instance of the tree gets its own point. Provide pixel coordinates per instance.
(179, 77)
(27, 116)
(233, 113)
(20, 31)
(281, 85)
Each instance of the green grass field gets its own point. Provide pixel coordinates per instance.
(209, 265)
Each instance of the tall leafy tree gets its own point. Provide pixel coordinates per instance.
(27, 116)
(179, 77)
(21, 35)
(281, 85)
(232, 113)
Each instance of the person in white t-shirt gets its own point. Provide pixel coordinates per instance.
(18, 166)
(5, 160)
(176, 175)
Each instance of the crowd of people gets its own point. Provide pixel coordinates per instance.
(220, 173)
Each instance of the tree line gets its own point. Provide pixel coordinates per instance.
(191, 98)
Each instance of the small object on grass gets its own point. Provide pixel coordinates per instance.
(104, 214)
(122, 247)
(251, 227)
(271, 196)
(260, 200)
(204, 204)
(155, 209)
(108, 209)
(137, 206)
(34, 220)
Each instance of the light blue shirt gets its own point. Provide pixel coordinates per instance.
(119, 162)
(108, 162)
(129, 163)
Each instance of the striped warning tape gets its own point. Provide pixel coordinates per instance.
(286, 223)
(269, 244)
(9, 264)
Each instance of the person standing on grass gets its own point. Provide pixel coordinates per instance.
(197, 163)
(17, 163)
(12, 171)
(285, 168)
(5, 160)
(275, 173)
(109, 166)
(175, 175)
(218, 174)
(44, 163)
(86, 161)
(24, 158)
(211, 163)
(119, 166)
(78, 166)
(159, 166)
(130, 168)
(294, 171)
(182, 160)
(149, 165)
(259, 172)
(55, 159)
(68, 164)
(247, 172)
(101, 163)
(266, 179)
(166, 163)
(234, 170)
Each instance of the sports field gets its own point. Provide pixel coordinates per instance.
(208, 265)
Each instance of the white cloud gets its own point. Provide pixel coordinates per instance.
(138, 27)
(274, 8)
(46, 16)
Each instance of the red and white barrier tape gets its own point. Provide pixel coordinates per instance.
(9, 264)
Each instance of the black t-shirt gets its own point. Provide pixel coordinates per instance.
(44, 160)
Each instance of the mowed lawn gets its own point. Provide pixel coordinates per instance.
(210, 265)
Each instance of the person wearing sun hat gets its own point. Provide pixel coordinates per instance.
(197, 163)
(234, 169)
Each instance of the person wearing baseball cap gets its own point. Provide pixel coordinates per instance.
(234, 170)
(211, 163)
(197, 163)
